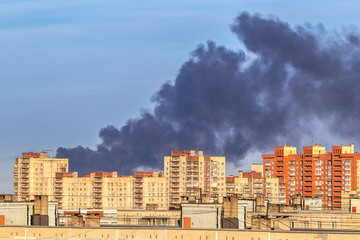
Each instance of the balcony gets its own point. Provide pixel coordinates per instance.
(191, 175)
(58, 192)
(97, 190)
(138, 180)
(97, 205)
(175, 196)
(175, 169)
(174, 179)
(337, 184)
(174, 164)
(196, 169)
(58, 180)
(138, 206)
(98, 179)
(25, 166)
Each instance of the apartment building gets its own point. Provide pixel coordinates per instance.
(253, 184)
(197, 175)
(315, 173)
(151, 191)
(97, 190)
(69, 188)
(107, 190)
(246, 184)
(275, 191)
(34, 174)
(189, 174)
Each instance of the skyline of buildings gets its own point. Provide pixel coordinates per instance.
(330, 176)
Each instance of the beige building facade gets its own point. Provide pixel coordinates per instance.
(185, 174)
(189, 174)
(170, 218)
(98, 190)
(34, 174)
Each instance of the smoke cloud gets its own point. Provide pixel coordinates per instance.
(230, 103)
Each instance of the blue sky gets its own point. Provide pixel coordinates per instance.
(68, 68)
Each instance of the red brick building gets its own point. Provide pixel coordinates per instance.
(315, 173)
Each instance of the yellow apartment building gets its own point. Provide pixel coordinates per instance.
(107, 190)
(72, 191)
(34, 174)
(275, 190)
(117, 192)
(246, 184)
(155, 192)
(253, 184)
(189, 174)
(151, 191)
(98, 190)
(185, 174)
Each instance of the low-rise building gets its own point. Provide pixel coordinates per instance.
(169, 218)
(37, 212)
(314, 204)
(201, 215)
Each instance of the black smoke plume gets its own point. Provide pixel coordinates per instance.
(228, 102)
